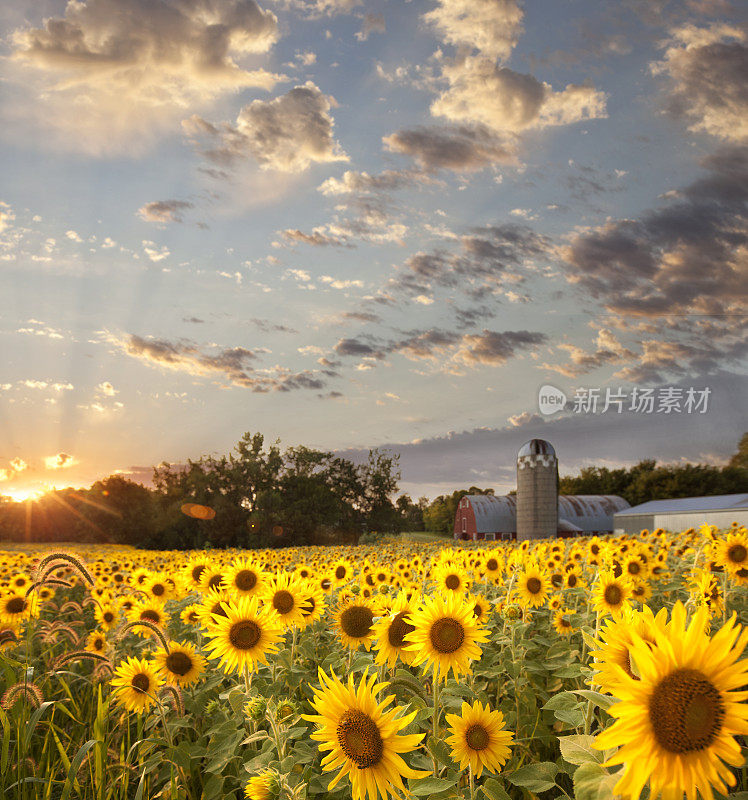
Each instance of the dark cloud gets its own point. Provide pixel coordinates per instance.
(486, 255)
(461, 148)
(195, 320)
(317, 238)
(163, 210)
(288, 133)
(231, 364)
(707, 71)
(687, 257)
(355, 347)
(361, 316)
(496, 347)
(267, 326)
(373, 23)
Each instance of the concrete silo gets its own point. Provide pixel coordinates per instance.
(537, 491)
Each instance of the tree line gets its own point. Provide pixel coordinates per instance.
(261, 497)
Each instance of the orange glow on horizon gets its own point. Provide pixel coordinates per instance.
(21, 495)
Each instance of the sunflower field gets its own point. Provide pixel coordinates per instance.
(571, 668)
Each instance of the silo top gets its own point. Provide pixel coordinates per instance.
(536, 447)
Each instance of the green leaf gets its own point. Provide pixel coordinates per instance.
(493, 790)
(429, 786)
(535, 777)
(592, 782)
(75, 766)
(561, 701)
(578, 749)
(603, 701)
(439, 749)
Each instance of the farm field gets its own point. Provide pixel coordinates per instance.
(578, 668)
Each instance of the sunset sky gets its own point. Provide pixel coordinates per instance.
(368, 224)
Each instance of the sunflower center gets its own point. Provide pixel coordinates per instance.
(340, 573)
(244, 634)
(594, 549)
(447, 635)
(141, 682)
(613, 594)
(452, 582)
(197, 572)
(245, 580)
(686, 711)
(492, 565)
(477, 610)
(98, 643)
(356, 621)
(556, 579)
(325, 583)
(158, 589)
(215, 581)
(359, 738)
(571, 581)
(634, 568)
(477, 737)
(150, 616)
(308, 608)
(534, 585)
(16, 605)
(737, 554)
(283, 601)
(178, 663)
(108, 617)
(399, 629)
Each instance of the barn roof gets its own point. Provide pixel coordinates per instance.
(682, 505)
(493, 514)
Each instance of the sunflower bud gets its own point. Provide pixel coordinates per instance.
(286, 709)
(355, 589)
(254, 708)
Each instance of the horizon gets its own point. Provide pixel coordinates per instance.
(352, 225)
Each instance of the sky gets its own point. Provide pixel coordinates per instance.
(351, 224)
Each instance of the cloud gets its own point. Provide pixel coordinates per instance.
(443, 463)
(317, 238)
(690, 256)
(59, 461)
(373, 23)
(6, 216)
(483, 262)
(231, 364)
(509, 102)
(707, 72)
(363, 183)
(113, 70)
(608, 350)
(287, 134)
(490, 26)
(495, 348)
(106, 389)
(461, 148)
(163, 210)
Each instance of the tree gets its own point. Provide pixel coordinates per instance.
(740, 459)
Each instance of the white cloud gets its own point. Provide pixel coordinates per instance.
(106, 389)
(60, 461)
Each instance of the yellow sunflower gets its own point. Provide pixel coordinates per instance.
(14, 608)
(138, 683)
(447, 635)
(244, 578)
(610, 594)
(284, 594)
(732, 554)
(391, 629)
(180, 665)
(354, 621)
(313, 603)
(676, 725)
(151, 611)
(263, 786)
(478, 739)
(562, 621)
(481, 607)
(246, 635)
(96, 642)
(451, 578)
(107, 614)
(364, 740)
(190, 614)
(532, 586)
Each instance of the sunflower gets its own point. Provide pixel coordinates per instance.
(14, 608)
(285, 596)
(149, 610)
(635, 568)
(675, 726)
(562, 621)
(478, 738)
(354, 621)
(158, 587)
(138, 682)
(190, 614)
(447, 635)
(732, 554)
(194, 569)
(481, 607)
(610, 594)
(243, 578)
(312, 604)
(532, 586)
(211, 605)
(245, 636)
(573, 580)
(364, 740)
(180, 665)
(390, 632)
(211, 577)
(107, 614)
(341, 572)
(263, 786)
(451, 578)
(96, 642)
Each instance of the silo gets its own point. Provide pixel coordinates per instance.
(537, 491)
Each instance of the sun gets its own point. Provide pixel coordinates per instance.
(20, 495)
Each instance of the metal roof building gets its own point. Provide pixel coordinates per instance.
(491, 517)
(683, 512)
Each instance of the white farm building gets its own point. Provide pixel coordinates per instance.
(682, 513)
